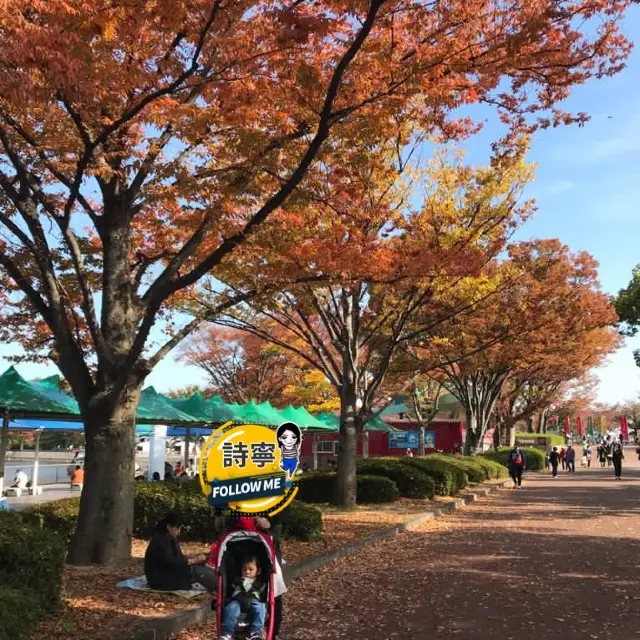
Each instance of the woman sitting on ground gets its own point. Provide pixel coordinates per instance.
(167, 568)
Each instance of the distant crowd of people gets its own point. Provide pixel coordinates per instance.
(609, 452)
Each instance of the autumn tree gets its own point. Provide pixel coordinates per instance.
(240, 367)
(142, 144)
(529, 392)
(577, 397)
(426, 393)
(407, 261)
(547, 311)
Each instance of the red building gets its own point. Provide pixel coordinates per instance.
(441, 435)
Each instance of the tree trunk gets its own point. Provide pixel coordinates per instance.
(4, 444)
(105, 523)
(530, 428)
(498, 435)
(471, 439)
(510, 439)
(346, 480)
(542, 421)
(421, 441)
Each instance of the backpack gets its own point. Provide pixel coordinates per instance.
(517, 458)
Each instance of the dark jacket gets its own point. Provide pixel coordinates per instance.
(513, 455)
(554, 458)
(165, 567)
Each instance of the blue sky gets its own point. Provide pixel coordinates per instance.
(588, 191)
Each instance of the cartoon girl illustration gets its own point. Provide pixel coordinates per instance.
(289, 438)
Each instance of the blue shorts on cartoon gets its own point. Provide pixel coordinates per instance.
(289, 465)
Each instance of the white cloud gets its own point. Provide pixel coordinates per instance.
(623, 138)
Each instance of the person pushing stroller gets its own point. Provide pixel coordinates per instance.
(249, 594)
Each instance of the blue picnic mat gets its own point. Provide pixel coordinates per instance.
(140, 584)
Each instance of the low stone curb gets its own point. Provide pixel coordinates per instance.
(158, 628)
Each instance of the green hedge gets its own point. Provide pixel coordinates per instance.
(411, 482)
(31, 565)
(19, 613)
(376, 489)
(316, 487)
(473, 469)
(59, 516)
(152, 500)
(320, 488)
(449, 478)
(303, 522)
(492, 468)
(534, 457)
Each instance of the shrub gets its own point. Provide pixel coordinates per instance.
(534, 457)
(320, 488)
(376, 489)
(59, 516)
(411, 482)
(31, 561)
(302, 522)
(493, 469)
(18, 613)
(316, 487)
(474, 471)
(449, 478)
(152, 500)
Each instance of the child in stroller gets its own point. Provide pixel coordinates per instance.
(248, 596)
(247, 610)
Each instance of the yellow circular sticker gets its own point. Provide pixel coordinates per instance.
(250, 468)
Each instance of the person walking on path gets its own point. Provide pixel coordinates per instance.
(563, 458)
(571, 460)
(617, 456)
(554, 460)
(516, 466)
(588, 454)
(602, 455)
(609, 447)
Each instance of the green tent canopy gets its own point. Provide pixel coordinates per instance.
(204, 409)
(154, 406)
(252, 413)
(378, 424)
(403, 404)
(400, 404)
(373, 424)
(50, 387)
(53, 381)
(330, 419)
(304, 419)
(21, 396)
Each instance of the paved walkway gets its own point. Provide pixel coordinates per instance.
(50, 492)
(558, 559)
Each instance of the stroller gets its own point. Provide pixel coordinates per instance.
(232, 548)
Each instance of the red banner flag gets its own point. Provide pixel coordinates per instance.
(567, 426)
(624, 428)
(579, 425)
